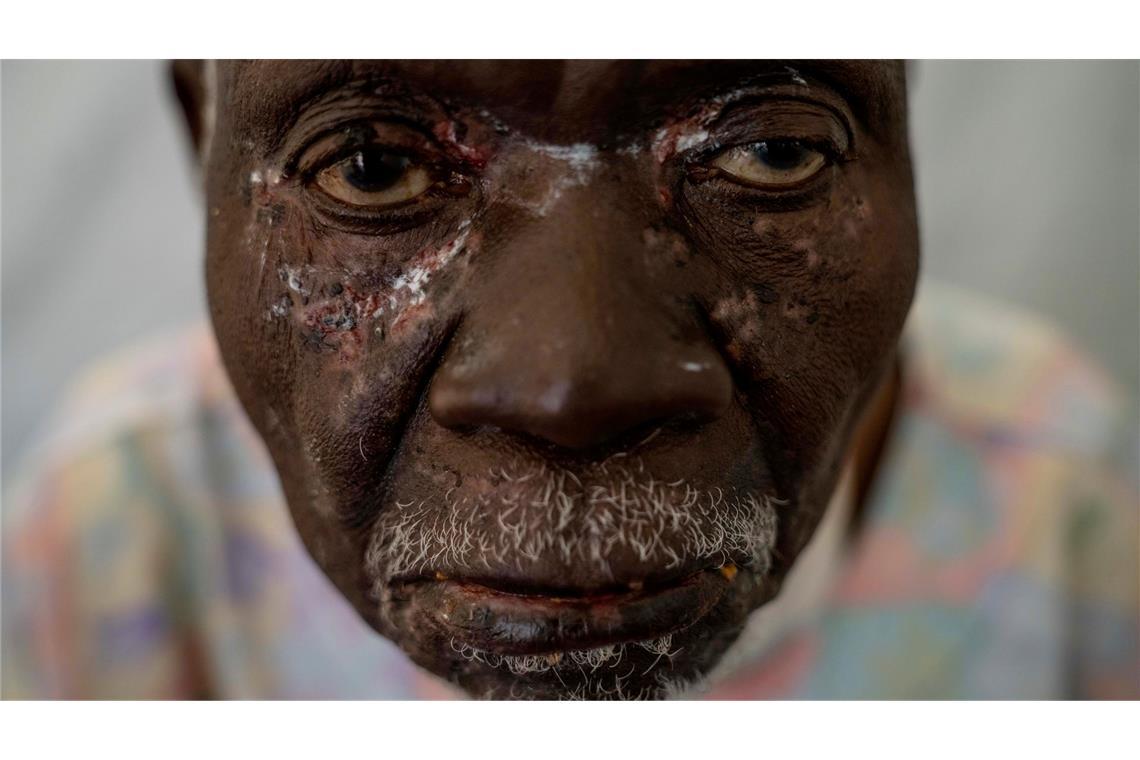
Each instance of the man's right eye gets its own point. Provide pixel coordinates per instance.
(375, 177)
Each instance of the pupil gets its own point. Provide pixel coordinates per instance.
(781, 154)
(372, 170)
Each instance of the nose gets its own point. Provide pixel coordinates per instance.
(571, 339)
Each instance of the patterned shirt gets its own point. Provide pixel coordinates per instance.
(147, 551)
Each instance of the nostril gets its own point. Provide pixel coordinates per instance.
(547, 411)
(578, 409)
(455, 403)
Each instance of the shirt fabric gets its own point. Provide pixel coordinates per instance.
(147, 551)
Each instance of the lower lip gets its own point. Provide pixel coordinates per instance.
(520, 624)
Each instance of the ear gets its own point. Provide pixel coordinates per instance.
(193, 91)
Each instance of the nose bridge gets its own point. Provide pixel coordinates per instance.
(585, 276)
(570, 338)
(576, 304)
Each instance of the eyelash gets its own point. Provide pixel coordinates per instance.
(696, 170)
(737, 127)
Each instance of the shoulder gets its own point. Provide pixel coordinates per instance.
(161, 382)
(132, 449)
(152, 435)
(145, 517)
(1015, 489)
(993, 371)
(1004, 405)
(139, 414)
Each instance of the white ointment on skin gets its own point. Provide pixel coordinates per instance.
(581, 162)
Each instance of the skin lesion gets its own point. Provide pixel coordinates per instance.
(333, 311)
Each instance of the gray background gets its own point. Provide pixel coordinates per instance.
(1028, 184)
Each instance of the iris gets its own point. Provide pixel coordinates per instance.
(372, 170)
(782, 155)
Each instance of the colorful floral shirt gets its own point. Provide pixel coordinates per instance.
(147, 552)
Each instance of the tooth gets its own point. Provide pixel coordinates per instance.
(440, 576)
(554, 658)
(636, 585)
(728, 571)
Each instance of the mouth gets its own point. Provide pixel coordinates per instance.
(496, 618)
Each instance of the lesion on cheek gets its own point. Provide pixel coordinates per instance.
(739, 319)
(338, 311)
(760, 322)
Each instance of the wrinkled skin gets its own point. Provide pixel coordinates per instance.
(464, 392)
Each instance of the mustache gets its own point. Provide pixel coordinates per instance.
(577, 520)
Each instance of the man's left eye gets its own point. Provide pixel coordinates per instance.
(375, 177)
(772, 164)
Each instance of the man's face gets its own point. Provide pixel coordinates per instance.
(558, 361)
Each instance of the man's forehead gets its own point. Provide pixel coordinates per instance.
(563, 101)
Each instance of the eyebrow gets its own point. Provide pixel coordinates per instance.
(268, 96)
(870, 87)
(875, 89)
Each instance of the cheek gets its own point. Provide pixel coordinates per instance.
(828, 280)
(346, 313)
(314, 321)
(814, 302)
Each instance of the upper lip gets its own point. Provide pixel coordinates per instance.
(507, 621)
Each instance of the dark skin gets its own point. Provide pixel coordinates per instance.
(559, 362)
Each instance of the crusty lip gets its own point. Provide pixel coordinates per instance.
(507, 621)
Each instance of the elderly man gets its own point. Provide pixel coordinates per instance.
(579, 379)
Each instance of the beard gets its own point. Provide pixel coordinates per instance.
(604, 533)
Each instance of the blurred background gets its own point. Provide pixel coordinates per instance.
(1028, 180)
